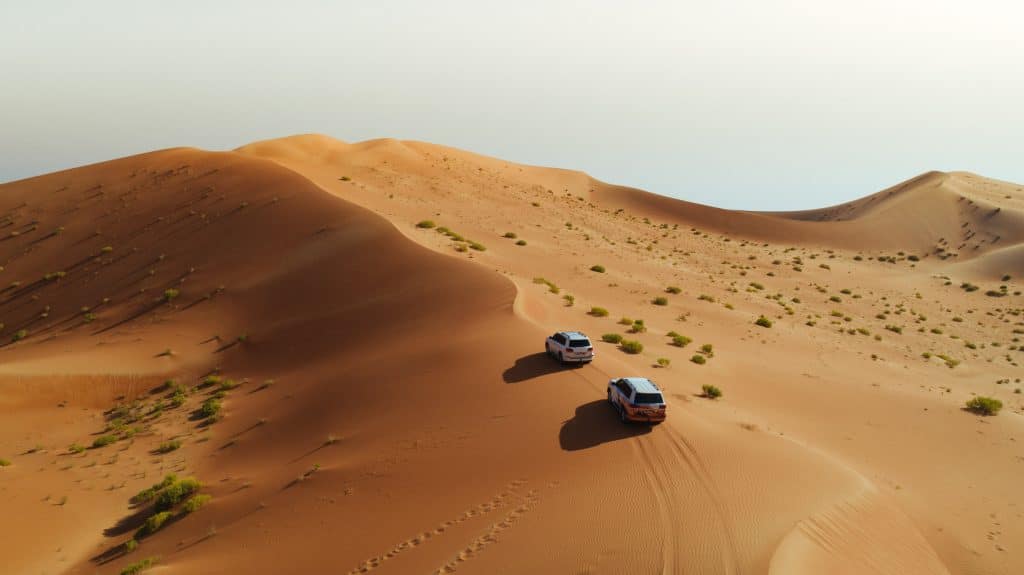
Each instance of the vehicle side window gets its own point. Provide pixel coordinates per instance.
(624, 388)
(560, 338)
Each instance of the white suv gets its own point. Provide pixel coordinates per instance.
(636, 399)
(570, 346)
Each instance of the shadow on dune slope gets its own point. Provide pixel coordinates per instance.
(595, 423)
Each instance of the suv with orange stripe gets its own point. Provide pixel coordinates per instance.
(636, 399)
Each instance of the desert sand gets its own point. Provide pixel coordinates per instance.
(377, 399)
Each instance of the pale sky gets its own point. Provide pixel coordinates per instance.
(759, 104)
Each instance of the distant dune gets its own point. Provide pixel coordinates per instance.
(343, 344)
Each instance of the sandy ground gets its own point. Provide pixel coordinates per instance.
(390, 408)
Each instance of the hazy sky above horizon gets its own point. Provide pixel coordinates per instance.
(757, 104)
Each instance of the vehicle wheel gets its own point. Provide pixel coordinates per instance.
(609, 394)
(561, 358)
(622, 415)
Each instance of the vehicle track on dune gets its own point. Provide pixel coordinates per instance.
(665, 501)
(663, 454)
(688, 454)
(680, 481)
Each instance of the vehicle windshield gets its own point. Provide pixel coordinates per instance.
(579, 343)
(649, 398)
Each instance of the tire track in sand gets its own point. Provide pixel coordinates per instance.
(687, 453)
(666, 501)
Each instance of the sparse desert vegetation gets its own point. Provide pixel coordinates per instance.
(886, 351)
(631, 346)
(984, 405)
(711, 392)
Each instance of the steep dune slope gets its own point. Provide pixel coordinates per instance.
(274, 278)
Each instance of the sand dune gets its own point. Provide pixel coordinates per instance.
(385, 408)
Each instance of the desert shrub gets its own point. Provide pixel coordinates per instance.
(153, 524)
(664, 361)
(707, 349)
(660, 300)
(175, 493)
(4, 462)
(426, 224)
(477, 246)
(210, 380)
(895, 328)
(170, 294)
(209, 408)
(638, 326)
(19, 335)
(835, 299)
(510, 235)
(680, 341)
(674, 289)
(706, 297)
(130, 545)
(570, 300)
(551, 285)
(76, 448)
(626, 321)
(177, 398)
(227, 385)
(711, 391)
(196, 502)
(521, 243)
(597, 268)
(103, 441)
(756, 286)
(984, 405)
(139, 566)
(598, 312)
(150, 492)
(699, 359)
(632, 346)
(169, 446)
(763, 321)
(611, 338)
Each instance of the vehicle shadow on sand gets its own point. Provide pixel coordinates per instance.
(596, 423)
(531, 366)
